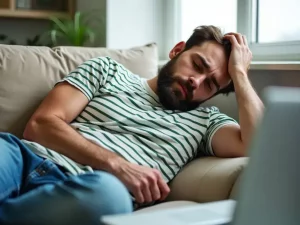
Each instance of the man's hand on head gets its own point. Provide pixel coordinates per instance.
(240, 56)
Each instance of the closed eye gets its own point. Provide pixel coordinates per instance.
(197, 67)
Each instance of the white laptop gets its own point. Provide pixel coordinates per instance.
(270, 188)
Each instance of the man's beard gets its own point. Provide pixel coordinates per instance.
(168, 97)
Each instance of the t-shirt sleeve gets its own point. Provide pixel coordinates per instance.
(90, 76)
(216, 121)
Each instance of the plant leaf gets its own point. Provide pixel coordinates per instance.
(59, 24)
(77, 21)
(70, 35)
(81, 36)
(54, 35)
(76, 31)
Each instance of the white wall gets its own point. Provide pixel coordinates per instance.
(132, 22)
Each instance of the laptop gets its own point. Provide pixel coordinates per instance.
(270, 188)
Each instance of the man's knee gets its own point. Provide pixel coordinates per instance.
(5, 135)
(8, 147)
(8, 141)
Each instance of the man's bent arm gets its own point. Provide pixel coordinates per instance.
(233, 140)
(49, 126)
(249, 105)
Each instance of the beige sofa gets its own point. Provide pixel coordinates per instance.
(27, 74)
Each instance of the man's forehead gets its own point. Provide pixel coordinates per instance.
(211, 50)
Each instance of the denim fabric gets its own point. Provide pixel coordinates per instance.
(34, 190)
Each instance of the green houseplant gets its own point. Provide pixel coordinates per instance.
(76, 32)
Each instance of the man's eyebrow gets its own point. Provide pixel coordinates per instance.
(213, 79)
(207, 66)
(204, 62)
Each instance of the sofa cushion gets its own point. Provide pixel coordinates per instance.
(27, 74)
(207, 179)
(140, 60)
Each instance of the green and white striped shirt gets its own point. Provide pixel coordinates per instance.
(125, 116)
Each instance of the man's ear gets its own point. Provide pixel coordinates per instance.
(177, 49)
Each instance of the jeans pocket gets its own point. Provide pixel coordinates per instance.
(45, 173)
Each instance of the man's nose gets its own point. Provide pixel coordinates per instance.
(195, 82)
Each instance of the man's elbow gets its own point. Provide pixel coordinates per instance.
(234, 151)
(240, 151)
(30, 130)
(34, 128)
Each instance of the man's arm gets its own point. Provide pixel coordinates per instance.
(233, 140)
(49, 126)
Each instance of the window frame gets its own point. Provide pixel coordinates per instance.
(170, 25)
(276, 51)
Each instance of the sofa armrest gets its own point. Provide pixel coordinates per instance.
(207, 179)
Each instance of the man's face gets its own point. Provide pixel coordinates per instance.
(193, 76)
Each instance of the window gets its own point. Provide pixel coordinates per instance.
(272, 27)
(193, 14)
(278, 21)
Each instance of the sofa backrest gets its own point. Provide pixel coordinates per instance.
(27, 74)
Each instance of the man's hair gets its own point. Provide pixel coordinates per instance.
(202, 34)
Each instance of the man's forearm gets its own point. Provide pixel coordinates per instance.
(55, 134)
(249, 104)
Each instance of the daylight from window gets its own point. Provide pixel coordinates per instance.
(279, 20)
(222, 13)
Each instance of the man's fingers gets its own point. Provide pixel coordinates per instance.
(139, 196)
(156, 195)
(238, 37)
(232, 39)
(245, 40)
(147, 194)
(164, 188)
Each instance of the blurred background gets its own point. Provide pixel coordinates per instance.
(272, 28)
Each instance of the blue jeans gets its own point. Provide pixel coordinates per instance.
(36, 191)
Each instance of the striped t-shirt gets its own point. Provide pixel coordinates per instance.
(125, 116)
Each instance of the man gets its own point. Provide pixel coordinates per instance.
(102, 122)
